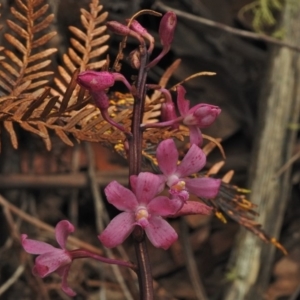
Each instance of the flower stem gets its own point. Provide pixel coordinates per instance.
(80, 253)
(162, 124)
(135, 162)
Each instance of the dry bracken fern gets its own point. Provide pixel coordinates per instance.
(25, 99)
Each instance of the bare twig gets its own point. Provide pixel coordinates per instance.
(238, 32)
(286, 166)
(72, 180)
(73, 207)
(191, 262)
(8, 283)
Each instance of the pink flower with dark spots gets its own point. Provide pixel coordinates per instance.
(200, 116)
(141, 208)
(51, 259)
(176, 176)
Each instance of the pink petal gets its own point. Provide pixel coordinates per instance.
(192, 162)
(50, 262)
(162, 206)
(117, 230)
(62, 231)
(195, 135)
(35, 247)
(162, 184)
(120, 197)
(167, 157)
(160, 233)
(147, 187)
(64, 284)
(203, 187)
(182, 104)
(133, 180)
(193, 208)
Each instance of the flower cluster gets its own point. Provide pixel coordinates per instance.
(142, 207)
(142, 204)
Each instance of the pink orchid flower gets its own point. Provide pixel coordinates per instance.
(200, 116)
(52, 259)
(141, 208)
(175, 175)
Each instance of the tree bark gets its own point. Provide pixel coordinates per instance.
(251, 260)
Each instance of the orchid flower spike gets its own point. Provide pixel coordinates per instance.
(52, 259)
(176, 176)
(200, 116)
(140, 208)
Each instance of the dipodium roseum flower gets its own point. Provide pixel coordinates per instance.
(174, 175)
(199, 116)
(140, 208)
(52, 259)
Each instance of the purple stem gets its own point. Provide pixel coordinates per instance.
(155, 61)
(135, 162)
(162, 124)
(106, 117)
(80, 253)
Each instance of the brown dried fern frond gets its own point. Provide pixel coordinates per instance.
(22, 69)
(87, 46)
(41, 113)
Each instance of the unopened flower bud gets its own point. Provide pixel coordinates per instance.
(121, 29)
(202, 115)
(96, 81)
(137, 27)
(167, 27)
(117, 28)
(168, 113)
